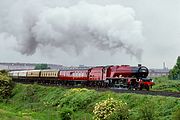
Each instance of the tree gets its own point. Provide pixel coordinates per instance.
(175, 72)
(41, 67)
(6, 85)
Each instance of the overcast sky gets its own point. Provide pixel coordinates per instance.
(91, 32)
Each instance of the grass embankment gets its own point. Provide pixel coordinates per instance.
(164, 84)
(30, 102)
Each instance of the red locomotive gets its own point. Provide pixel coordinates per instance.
(124, 76)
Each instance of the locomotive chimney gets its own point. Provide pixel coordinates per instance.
(139, 65)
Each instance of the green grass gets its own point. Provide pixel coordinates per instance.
(35, 102)
(164, 84)
(7, 115)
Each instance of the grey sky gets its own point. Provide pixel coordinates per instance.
(160, 21)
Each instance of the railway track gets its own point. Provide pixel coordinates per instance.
(142, 92)
(154, 93)
(120, 90)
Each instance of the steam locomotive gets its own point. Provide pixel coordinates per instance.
(119, 76)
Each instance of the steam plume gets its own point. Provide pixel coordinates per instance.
(36, 23)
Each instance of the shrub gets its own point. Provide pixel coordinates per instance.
(163, 83)
(111, 109)
(6, 86)
(76, 90)
(176, 115)
(66, 113)
(77, 98)
(30, 94)
(147, 111)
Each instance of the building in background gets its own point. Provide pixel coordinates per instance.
(159, 72)
(24, 66)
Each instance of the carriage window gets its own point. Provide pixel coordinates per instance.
(71, 73)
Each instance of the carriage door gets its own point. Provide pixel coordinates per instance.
(104, 73)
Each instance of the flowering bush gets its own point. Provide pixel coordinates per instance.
(76, 90)
(77, 98)
(110, 109)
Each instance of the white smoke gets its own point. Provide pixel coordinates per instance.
(71, 28)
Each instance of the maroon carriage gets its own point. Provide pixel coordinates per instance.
(74, 75)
